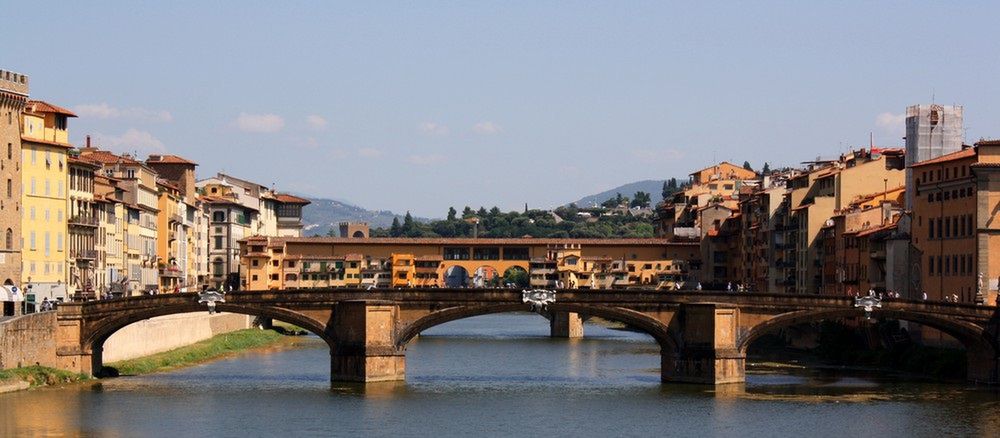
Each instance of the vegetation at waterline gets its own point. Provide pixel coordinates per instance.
(213, 348)
(38, 375)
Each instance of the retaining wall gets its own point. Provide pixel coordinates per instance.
(28, 340)
(165, 333)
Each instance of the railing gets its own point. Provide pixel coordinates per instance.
(83, 220)
(84, 254)
(169, 271)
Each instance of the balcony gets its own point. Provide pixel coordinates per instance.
(169, 272)
(176, 218)
(84, 254)
(83, 220)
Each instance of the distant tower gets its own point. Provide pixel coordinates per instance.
(931, 131)
(356, 230)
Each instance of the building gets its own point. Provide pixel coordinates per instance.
(931, 131)
(13, 98)
(191, 232)
(171, 237)
(44, 173)
(238, 209)
(358, 230)
(815, 195)
(297, 262)
(83, 224)
(679, 218)
(110, 273)
(955, 226)
(140, 196)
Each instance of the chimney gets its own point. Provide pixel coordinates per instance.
(88, 141)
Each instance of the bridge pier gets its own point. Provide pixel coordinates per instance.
(708, 352)
(364, 349)
(566, 325)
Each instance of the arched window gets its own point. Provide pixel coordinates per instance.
(217, 268)
(9, 239)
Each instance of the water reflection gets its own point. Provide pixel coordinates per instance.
(497, 375)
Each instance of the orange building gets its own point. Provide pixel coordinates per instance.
(955, 227)
(304, 262)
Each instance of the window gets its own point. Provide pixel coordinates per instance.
(274, 263)
(217, 268)
(219, 216)
(10, 188)
(255, 263)
(456, 253)
(930, 265)
(9, 239)
(253, 277)
(486, 253)
(515, 253)
(218, 242)
(10, 147)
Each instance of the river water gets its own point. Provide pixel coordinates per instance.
(496, 375)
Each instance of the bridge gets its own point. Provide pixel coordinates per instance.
(703, 336)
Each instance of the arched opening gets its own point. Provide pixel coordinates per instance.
(516, 276)
(456, 276)
(506, 341)
(843, 337)
(485, 276)
(358, 234)
(96, 340)
(9, 239)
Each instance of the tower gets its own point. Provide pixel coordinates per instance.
(13, 97)
(931, 131)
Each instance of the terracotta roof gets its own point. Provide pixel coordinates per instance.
(168, 159)
(167, 184)
(40, 106)
(802, 207)
(481, 241)
(985, 165)
(289, 199)
(957, 155)
(83, 162)
(46, 142)
(991, 142)
(353, 257)
(105, 157)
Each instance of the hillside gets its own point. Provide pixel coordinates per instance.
(653, 187)
(324, 214)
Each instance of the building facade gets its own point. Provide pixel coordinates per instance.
(13, 98)
(44, 174)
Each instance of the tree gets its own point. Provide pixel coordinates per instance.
(641, 199)
(746, 165)
(666, 191)
(766, 169)
(467, 213)
(452, 213)
(395, 230)
(408, 226)
(610, 203)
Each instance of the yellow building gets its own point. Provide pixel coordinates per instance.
(169, 238)
(44, 152)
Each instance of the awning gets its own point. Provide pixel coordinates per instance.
(11, 293)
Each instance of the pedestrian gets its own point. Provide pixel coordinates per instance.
(924, 296)
(954, 297)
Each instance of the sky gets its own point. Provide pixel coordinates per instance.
(418, 106)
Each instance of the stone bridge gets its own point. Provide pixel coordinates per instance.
(703, 336)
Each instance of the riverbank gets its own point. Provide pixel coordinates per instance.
(17, 379)
(213, 348)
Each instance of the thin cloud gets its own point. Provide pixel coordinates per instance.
(370, 152)
(316, 122)
(891, 124)
(263, 123)
(432, 128)
(132, 141)
(105, 111)
(487, 128)
(426, 160)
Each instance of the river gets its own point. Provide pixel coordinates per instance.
(496, 375)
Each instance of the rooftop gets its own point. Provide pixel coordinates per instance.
(957, 155)
(40, 106)
(477, 241)
(169, 159)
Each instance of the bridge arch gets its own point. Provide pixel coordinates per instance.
(980, 349)
(634, 319)
(94, 339)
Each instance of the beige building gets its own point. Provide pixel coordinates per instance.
(83, 223)
(110, 272)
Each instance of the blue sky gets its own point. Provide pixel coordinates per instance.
(422, 105)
